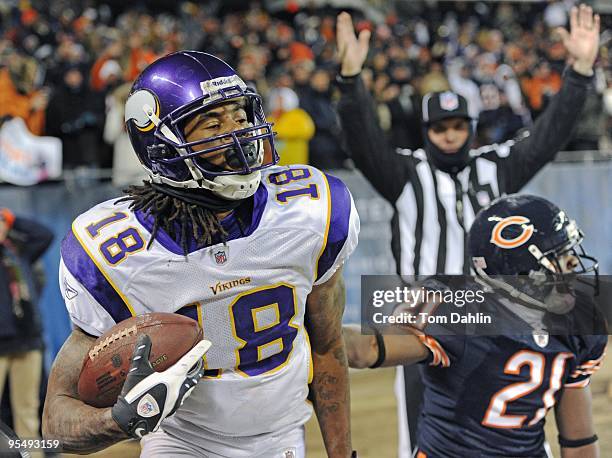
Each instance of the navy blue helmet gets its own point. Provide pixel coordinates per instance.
(169, 93)
(528, 236)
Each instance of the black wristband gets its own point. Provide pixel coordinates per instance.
(347, 79)
(567, 443)
(380, 342)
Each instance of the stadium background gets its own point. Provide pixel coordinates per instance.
(578, 181)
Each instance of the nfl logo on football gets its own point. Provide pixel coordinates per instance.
(220, 257)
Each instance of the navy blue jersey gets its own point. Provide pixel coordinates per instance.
(487, 396)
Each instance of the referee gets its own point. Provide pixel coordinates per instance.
(436, 191)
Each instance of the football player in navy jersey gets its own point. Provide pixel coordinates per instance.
(487, 395)
(219, 233)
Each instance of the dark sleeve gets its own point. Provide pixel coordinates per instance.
(445, 340)
(32, 238)
(386, 170)
(587, 361)
(550, 133)
(444, 350)
(440, 333)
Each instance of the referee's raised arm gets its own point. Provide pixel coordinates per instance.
(554, 127)
(383, 167)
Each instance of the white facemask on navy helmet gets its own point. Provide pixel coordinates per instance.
(527, 237)
(170, 92)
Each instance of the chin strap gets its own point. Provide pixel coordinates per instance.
(525, 299)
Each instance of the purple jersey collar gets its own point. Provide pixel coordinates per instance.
(250, 213)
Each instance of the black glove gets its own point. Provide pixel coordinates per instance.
(147, 396)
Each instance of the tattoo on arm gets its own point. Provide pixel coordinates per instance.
(79, 427)
(329, 388)
(325, 310)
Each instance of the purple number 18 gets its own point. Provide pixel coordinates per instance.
(287, 176)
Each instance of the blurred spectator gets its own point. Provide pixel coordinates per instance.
(461, 83)
(140, 56)
(300, 52)
(294, 127)
(434, 80)
(539, 88)
(75, 115)
(501, 102)
(108, 78)
(302, 72)
(404, 107)
(326, 150)
(107, 70)
(22, 243)
(555, 14)
(382, 93)
(18, 94)
(69, 53)
(126, 166)
(253, 75)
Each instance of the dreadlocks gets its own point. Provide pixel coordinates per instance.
(171, 213)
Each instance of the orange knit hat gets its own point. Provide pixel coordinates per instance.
(8, 216)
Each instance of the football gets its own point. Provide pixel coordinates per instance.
(108, 360)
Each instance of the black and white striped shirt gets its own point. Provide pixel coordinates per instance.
(434, 209)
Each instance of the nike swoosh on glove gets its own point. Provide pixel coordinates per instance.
(147, 396)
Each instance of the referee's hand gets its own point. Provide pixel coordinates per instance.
(352, 51)
(582, 41)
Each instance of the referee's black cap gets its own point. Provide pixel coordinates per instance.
(443, 105)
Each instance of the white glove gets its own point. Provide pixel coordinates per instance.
(147, 396)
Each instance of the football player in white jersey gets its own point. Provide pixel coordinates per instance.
(251, 250)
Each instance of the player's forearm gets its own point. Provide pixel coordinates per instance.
(80, 428)
(361, 350)
(331, 399)
(588, 451)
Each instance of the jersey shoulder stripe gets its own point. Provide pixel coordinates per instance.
(85, 269)
(338, 218)
(438, 354)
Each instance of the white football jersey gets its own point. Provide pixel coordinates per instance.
(249, 294)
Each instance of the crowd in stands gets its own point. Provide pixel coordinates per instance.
(66, 68)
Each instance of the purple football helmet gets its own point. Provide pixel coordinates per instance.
(170, 92)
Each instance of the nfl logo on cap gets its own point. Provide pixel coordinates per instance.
(438, 106)
(449, 101)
